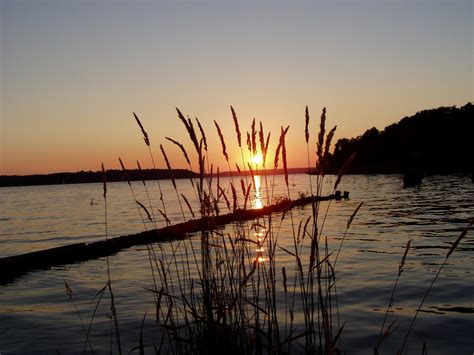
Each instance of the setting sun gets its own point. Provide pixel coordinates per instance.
(257, 159)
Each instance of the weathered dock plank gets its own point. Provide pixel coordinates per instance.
(15, 266)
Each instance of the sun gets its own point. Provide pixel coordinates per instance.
(257, 159)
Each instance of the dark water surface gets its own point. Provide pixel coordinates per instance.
(37, 316)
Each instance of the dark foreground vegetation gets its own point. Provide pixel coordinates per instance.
(436, 141)
(266, 284)
(240, 288)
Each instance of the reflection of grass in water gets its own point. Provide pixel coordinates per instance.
(230, 292)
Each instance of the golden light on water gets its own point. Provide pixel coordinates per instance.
(259, 235)
(257, 201)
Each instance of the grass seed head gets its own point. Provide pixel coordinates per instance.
(461, 236)
(104, 181)
(322, 132)
(221, 136)
(185, 154)
(306, 131)
(237, 127)
(254, 138)
(203, 134)
(145, 135)
(344, 169)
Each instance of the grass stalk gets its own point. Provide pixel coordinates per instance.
(109, 281)
(425, 296)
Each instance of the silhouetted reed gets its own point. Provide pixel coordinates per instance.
(385, 333)
(168, 165)
(237, 128)
(109, 281)
(180, 146)
(147, 142)
(221, 137)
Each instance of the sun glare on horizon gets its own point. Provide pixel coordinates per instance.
(257, 159)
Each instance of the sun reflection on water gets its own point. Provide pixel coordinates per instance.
(259, 234)
(257, 201)
(260, 231)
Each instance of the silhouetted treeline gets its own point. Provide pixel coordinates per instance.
(436, 141)
(91, 176)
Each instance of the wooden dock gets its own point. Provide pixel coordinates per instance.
(15, 266)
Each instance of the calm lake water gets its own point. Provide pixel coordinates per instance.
(37, 316)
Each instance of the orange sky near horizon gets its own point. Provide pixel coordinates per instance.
(72, 73)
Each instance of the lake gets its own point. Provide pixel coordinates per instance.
(36, 314)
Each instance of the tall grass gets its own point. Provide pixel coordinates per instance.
(228, 289)
(235, 302)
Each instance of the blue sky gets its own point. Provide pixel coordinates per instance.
(72, 72)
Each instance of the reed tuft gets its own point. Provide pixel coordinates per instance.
(458, 239)
(237, 127)
(265, 151)
(261, 138)
(221, 136)
(344, 169)
(190, 128)
(283, 152)
(183, 150)
(104, 181)
(163, 214)
(402, 263)
(188, 204)
(203, 135)
(125, 172)
(327, 146)
(322, 132)
(254, 138)
(249, 142)
(168, 165)
(306, 129)
(144, 209)
(351, 218)
(145, 135)
(234, 197)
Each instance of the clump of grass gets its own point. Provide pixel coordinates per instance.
(235, 301)
(221, 137)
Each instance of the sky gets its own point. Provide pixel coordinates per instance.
(72, 73)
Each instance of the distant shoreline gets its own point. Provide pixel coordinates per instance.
(431, 142)
(85, 177)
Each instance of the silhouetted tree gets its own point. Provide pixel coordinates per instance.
(436, 140)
